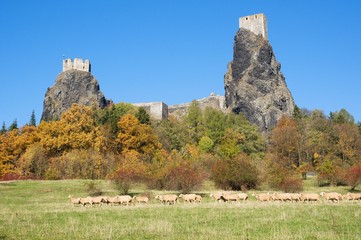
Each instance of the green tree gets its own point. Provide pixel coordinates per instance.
(194, 121)
(3, 129)
(14, 125)
(142, 116)
(32, 121)
(343, 116)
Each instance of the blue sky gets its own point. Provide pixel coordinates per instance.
(175, 51)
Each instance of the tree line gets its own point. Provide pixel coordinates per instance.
(121, 143)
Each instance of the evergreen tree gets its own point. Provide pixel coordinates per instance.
(32, 119)
(3, 129)
(143, 116)
(14, 125)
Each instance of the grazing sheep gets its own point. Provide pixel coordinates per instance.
(243, 196)
(141, 199)
(170, 199)
(74, 201)
(230, 197)
(262, 197)
(85, 201)
(354, 196)
(216, 196)
(310, 197)
(188, 197)
(347, 197)
(332, 196)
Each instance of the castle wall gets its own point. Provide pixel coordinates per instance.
(156, 110)
(77, 64)
(256, 23)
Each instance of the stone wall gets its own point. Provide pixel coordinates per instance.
(156, 110)
(77, 64)
(256, 23)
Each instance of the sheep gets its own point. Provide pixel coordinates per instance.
(74, 201)
(198, 198)
(141, 199)
(188, 197)
(99, 200)
(310, 197)
(85, 201)
(295, 197)
(332, 196)
(216, 196)
(282, 197)
(170, 199)
(262, 197)
(125, 199)
(354, 196)
(113, 200)
(243, 196)
(230, 197)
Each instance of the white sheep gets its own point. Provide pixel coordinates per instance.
(262, 197)
(74, 201)
(230, 197)
(331, 196)
(354, 196)
(99, 200)
(170, 199)
(188, 197)
(243, 196)
(198, 198)
(85, 201)
(216, 196)
(141, 199)
(310, 197)
(125, 199)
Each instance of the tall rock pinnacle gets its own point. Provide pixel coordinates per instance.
(72, 86)
(254, 84)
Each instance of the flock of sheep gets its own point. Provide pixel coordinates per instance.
(221, 197)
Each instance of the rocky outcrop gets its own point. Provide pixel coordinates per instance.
(254, 84)
(70, 87)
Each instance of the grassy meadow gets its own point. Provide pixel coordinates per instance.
(42, 210)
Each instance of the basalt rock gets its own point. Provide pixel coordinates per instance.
(72, 86)
(254, 84)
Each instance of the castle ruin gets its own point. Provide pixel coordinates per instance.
(256, 23)
(77, 64)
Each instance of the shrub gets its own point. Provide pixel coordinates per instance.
(93, 189)
(237, 174)
(353, 177)
(291, 183)
(184, 177)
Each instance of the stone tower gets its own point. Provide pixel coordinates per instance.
(77, 64)
(256, 23)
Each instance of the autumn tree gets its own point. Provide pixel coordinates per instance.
(75, 130)
(136, 137)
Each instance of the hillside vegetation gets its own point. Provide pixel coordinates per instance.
(122, 144)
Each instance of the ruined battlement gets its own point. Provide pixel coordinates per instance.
(77, 64)
(256, 23)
